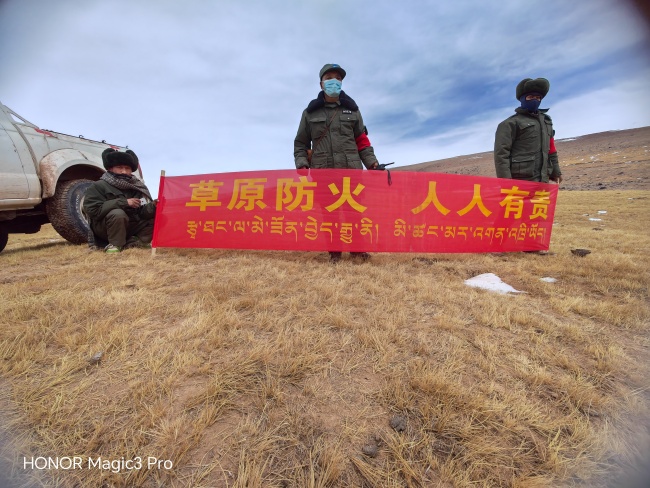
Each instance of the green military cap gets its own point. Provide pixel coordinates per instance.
(528, 85)
(331, 67)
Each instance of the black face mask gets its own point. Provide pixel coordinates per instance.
(530, 105)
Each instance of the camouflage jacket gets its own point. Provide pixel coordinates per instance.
(521, 147)
(338, 146)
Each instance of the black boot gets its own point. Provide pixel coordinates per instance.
(364, 256)
(335, 257)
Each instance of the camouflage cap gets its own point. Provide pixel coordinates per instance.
(331, 67)
(528, 85)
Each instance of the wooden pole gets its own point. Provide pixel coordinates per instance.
(162, 175)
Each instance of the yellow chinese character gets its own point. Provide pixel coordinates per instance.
(303, 193)
(247, 193)
(514, 201)
(476, 202)
(540, 202)
(346, 196)
(431, 198)
(205, 194)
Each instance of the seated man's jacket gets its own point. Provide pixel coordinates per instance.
(102, 197)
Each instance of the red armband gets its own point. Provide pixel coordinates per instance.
(362, 142)
(552, 149)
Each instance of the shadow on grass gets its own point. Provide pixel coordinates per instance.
(36, 247)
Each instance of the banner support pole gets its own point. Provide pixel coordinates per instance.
(162, 175)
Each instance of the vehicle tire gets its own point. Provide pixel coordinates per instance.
(65, 210)
(4, 237)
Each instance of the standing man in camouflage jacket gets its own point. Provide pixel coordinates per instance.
(524, 148)
(331, 134)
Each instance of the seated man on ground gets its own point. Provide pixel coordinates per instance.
(119, 205)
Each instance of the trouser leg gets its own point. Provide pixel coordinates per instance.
(143, 229)
(113, 228)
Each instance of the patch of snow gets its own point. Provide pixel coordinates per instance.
(595, 220)
(567, 140)
(602, 212)
(548, 279)
(491, 282)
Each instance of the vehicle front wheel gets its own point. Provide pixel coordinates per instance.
(65, 210)
(4, 237)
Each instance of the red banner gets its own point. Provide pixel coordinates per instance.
(353, 210)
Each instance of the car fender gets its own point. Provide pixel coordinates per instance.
(56, 163)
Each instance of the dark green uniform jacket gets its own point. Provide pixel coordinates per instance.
(338, 147)
(102, 197)
(521, 147)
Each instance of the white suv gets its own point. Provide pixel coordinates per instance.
(43, 178)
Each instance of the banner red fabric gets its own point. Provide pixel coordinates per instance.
(353, 210)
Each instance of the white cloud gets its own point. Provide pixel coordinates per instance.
(624, 105)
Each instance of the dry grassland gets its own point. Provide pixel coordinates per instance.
(261, 369)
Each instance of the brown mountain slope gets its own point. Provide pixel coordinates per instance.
(605, 160)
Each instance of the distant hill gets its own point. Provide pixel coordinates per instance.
(612, 160)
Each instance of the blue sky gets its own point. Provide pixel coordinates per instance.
(218, 86)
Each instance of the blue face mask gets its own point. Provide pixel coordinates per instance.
(530, 105)
(332, 88)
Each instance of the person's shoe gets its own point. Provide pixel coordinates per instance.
(364, 256)
(133, 242)
(110, 249)
(335, 257)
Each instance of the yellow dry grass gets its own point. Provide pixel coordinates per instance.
(257, 369)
